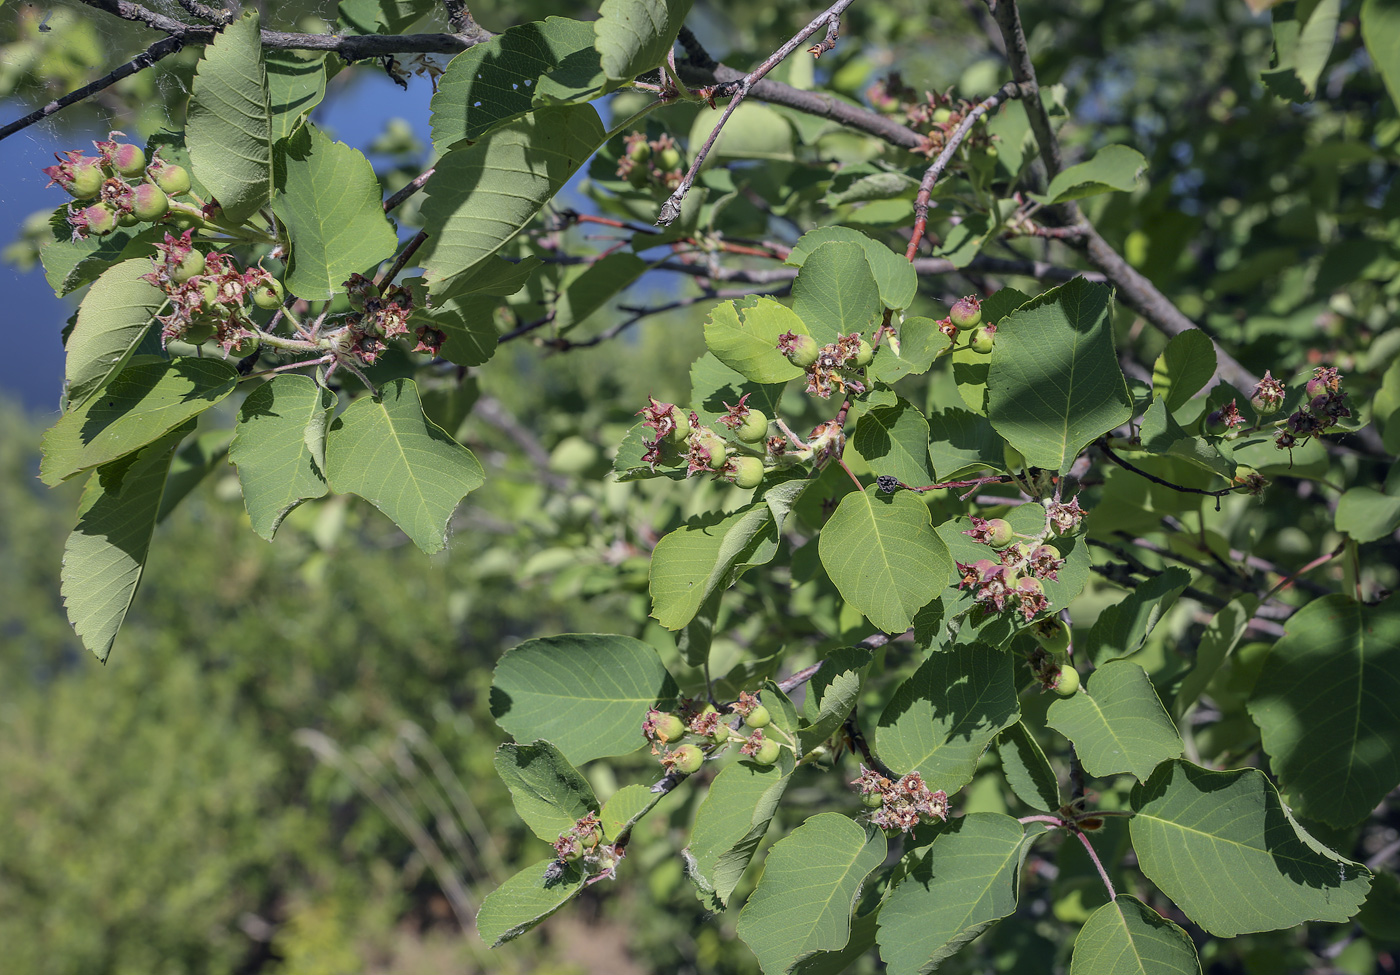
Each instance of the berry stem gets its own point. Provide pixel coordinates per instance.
(1093, 855)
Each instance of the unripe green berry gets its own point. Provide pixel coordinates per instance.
(669, 727)
(754, 428)
(1215, 425)
(1067, 684)
(639, 176)
(714, 445)
(722, 733)
(688, 759)
(198, 332)
(246, 346)
(982, 340)
(758, 718)
(940, 116)
(748, 472)
(682, 427)
(802, 350)
(174, 180)
(768, 752)
(966, 313)
(873, 800)
(269, 294)
(640, 151)
(669, 159)
(864, 354)
(1052, 634)
(127, 159)
(192, 264)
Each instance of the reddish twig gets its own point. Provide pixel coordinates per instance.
(1093, 855)
(737, 91)
(935, 170)
(1287, 581)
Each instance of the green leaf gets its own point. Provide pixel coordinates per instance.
(885, 558)
(550, 795)
(114, 317)
(491, 84)
(635, 36)
(920, 341)
(1380, 29)
(69, 264)
(141, 404)
(832, 692)
(811, 881)
(1027, 770)
(744, 336)
(753, 132)
(382, 16)
(1303, 37)
(940, 721)
(1364, 513)
(468, 321)
(228, 123)
(836, 962)
(1222, 846)
(1122, 628)
(1221, 636)
(895, 276)
(331, 204)
(1117, 722)
(105, 555)
(1325, 706)
(524, 901)
(705, 556)
(1126, 937)
(895, 440)
(296, 84)
(388, 452)
(625, 808)
(967, 879)
(1112, 168)
(712, 384)
(594, 288)
(196, 459)
(1054, 383)
(1183, 368)
(586, 692)
(835, 294)
(482, 195)
(960, 441)
(729, 825)
(279, 448)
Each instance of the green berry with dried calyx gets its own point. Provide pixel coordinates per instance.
(189, 266)
(247, 345)
(747, 472)
(197, 333)
(687, 759)
(1000, 533)
(681, 419)
(669, 159)
(873, 800)
(982, 340)
(1052, 634)
(768, 752)
(1066, 683)
(801, 350)
(668, 727)
(640, 151)
(754, 427)
(268, 294)
(864, 354)
(758, 718)
(149, 202)
(173, 179)
(713, 445)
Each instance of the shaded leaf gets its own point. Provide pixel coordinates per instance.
(550, 795)
(1126, 937)
(1122, 628)
(895, 440)
(524, 901)
(1183, 368)
(295, 85)
(635, 36)
(730, 823)
(832, 692)
(279, 448)
(1112, 168)
(1380, 29)
(114, 317)
(1026, 768)
(1117, 722)
(705, 556)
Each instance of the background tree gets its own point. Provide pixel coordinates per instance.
(1155, 456)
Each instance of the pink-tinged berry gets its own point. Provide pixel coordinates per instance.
(98, 220)
(999, 533)
(122, 157)
(1066, 682)
(966, 313)
(149, 202)
(1268, 395)
(687, 759)
(982, 339)
(801, 350)
(79, 175)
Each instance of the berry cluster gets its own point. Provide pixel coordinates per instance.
(657, 162)
(377, 316)
(934, 114)
(1014, 578)
(583, 844)
(900, 806)
(705, 451)
(209, 295)
(834, 367)
(965, 318)
(1325, 406)
(107, 179)
(706, 728)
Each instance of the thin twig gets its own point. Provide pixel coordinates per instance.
(1108, 452)
(160, 49)
(1320, 560)
(860, 744)
(413, 186)
(206, 12)
(459, 18)
(738, 91)
(1093, 855)
(935, 170)
(408, 251)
